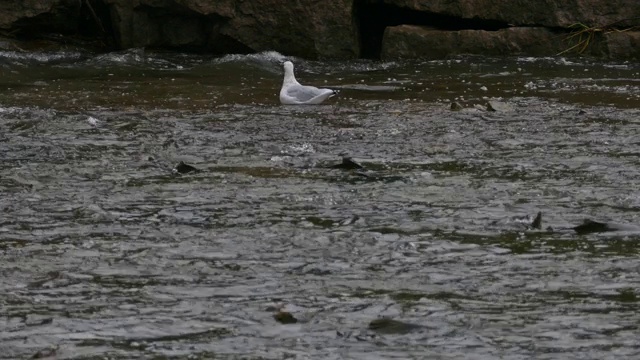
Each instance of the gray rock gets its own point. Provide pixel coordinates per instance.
(550, 13)
(302, 28)
(498, 106)
(410, 41)
(333, 29)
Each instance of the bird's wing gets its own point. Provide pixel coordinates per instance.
(303, 93)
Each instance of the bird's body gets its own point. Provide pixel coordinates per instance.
(294, 93)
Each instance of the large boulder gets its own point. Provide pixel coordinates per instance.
(622, 45)
(338, 28)
(39, 15)
(606, 28)
(549, 13)
(408, 41)
(305, 28)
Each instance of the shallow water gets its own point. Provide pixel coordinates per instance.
(107, 253)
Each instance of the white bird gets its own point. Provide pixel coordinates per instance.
(293, 93)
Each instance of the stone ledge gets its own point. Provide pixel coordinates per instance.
(623, 45)
(409, 41)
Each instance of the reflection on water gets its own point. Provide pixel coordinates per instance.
(106, 252)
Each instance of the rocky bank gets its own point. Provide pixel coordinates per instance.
(341, 29)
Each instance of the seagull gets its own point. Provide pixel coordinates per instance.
(293, 93)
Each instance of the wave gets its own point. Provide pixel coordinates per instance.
(265, 56)
(19, 58)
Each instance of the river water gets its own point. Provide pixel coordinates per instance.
(106, 252)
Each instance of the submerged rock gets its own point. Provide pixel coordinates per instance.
(498, 106)
(48, 353)
(347, 164)
(590, 226)
(390, 326)
(587, 227)
(183, 168)
(455, 106)
(537, 222)
(284, 317)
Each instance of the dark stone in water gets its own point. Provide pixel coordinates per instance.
(390, 326)
(183, 168)
(284, 317)
(590, 226)
(455, 106)
(46, 353)
(537, 222)
(347, 164)
(350, 220)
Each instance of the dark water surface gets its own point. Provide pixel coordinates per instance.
(105, 253)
